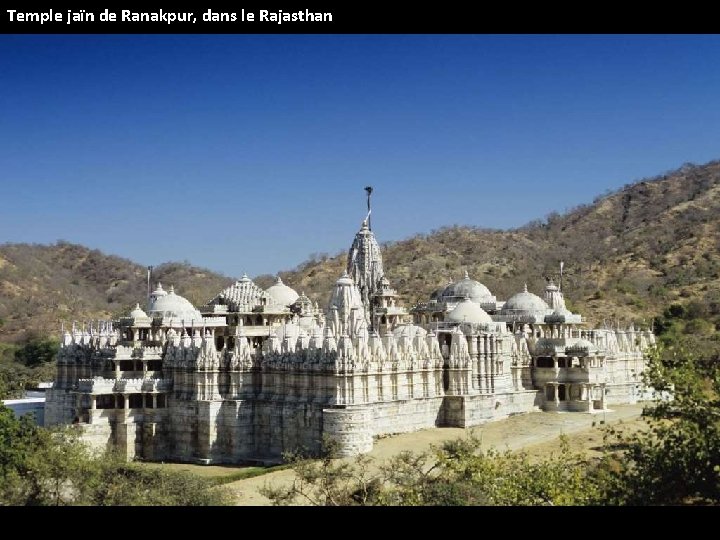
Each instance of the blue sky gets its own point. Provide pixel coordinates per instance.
(248, 153)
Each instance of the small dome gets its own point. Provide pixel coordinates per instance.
(303, 302)
(175, 306)
(282, 294)
(468, 311)
(526, 302)
(344, 280)
(137, 313)
(476, 291)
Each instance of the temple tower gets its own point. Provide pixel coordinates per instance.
(364, 262)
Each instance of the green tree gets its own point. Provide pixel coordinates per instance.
(127, 484)
(53, 467)
(677, 460)
(37, 351)
(457, 473)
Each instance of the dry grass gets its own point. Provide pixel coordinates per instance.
(219, 474)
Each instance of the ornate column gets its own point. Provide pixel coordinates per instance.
(588, 396)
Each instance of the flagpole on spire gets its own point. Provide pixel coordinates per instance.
(369, 190)
(561, 272)
(149, 277)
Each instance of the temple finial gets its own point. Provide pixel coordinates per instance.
(369, 191)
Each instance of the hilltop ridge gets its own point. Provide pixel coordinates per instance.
(627, 255)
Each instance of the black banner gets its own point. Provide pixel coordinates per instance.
(312, 19)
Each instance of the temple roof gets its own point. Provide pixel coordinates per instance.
(466, 287)
(525, 302)
(282, 294)
(468, 311)
(243, 296)
(175, 306)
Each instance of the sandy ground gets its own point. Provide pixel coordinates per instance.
(537, 433)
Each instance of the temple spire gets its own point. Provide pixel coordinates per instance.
(364, 261)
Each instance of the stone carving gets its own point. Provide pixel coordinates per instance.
(255, 373)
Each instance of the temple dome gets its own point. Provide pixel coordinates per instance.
(525, 301)
(175, 306)
(468, 311)
(137, 313)
(466, 287)
(282, 294)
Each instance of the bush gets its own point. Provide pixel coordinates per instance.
(52, 467)
(37, 351)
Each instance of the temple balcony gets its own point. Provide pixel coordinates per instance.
(100, 385)
(136, 350)
(542, 375)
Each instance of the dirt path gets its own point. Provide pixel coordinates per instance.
(538, 432)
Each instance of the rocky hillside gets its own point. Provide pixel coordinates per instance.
(42, 285)
(627, 256)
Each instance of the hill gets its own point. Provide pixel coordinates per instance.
(628, 255)
(41, 285)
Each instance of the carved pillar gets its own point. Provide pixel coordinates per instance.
(486, 362)
(588, 396)
(92, 401)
